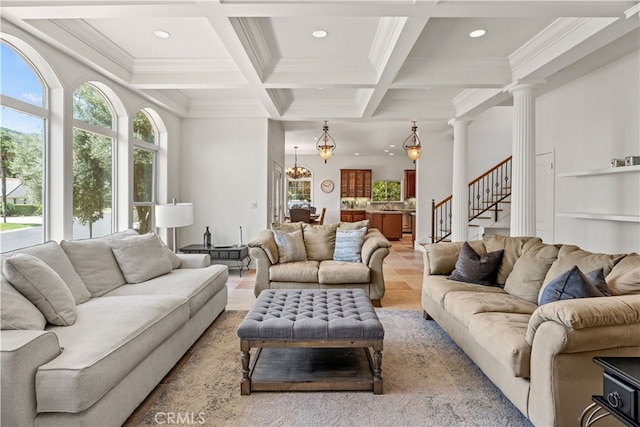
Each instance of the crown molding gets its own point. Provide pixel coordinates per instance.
(384, 41)
(255, 43)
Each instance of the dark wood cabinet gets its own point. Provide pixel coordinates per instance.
(355, 183)
(352, 215)
(389, 224)
(409, 183)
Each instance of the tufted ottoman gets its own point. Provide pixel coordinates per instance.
(317, 340)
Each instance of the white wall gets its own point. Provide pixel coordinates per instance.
(275, 156)
(588, 122)
(383, 168)
(490, 137)
(224, 171)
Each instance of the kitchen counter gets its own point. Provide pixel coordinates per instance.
(382, 211)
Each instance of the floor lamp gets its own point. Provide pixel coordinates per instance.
(174, 215)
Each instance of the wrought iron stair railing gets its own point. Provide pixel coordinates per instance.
(486, 193)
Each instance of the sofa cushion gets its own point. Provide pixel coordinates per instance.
(140, 258)
(570, 256)
(444, 255)
(17, 312)
(503, 336)
(34, 279)
(338, 272)
(530, 269)
(463, 305)
(354, 225)
(52, 254)
(438, 286)
(320, 241)
(95, 263)
(573, 284)
(624, 279)
(198, 285)
(512, 247)
(349, 245)
(300, 271)
(472, 267)
(111, 337)
(290, 246)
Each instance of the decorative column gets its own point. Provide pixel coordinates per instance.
(460, 193)
(523, 172)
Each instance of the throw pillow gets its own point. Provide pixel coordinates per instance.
(624, 279)
(349, 244)
(286, 227)
(34, 279)
(17, 312)
(530, 270)
(569, 285)
(513, 247)
(472, 267)
(140, 257)
(444, 255)
(290, 246)
(319, 241)
(175, 260)
(354, 225)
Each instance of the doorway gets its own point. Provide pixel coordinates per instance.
(545, 189)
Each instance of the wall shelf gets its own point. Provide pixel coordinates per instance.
(603, 171)
(598, 216)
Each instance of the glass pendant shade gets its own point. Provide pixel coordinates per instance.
(412, 144)
(326, 144)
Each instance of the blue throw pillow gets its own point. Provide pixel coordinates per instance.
(349, 245)
(472, 267)
(572, 284)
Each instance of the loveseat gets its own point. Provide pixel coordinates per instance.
(539, 356)
(312, 261)
(90, 327)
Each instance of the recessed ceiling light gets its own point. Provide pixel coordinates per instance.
(319, 34)
(391, 154)
(392, 146)
(161, 34)
(477, 33)
(357, 154)
(386, 151)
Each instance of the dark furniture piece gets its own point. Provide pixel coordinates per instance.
(621, 392)
(311, 340)
(355, 183)
(300, 214)
(237, 255)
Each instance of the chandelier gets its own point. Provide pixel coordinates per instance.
(297, 172)
(412, 144)
(326, 144)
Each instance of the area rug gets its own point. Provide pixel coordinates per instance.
(428, 381)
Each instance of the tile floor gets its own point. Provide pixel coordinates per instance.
(402, 273)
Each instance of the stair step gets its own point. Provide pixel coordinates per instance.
(482, 209)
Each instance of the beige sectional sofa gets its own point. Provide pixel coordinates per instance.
(318, 269)
(541, 357)
(113, 341)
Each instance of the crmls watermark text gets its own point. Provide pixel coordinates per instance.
(184, 418)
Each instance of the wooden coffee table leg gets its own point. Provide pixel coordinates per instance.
(245, 384)
(377, 369)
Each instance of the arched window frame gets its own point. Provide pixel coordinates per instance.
(154, 148)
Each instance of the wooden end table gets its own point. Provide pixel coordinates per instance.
(235, 254)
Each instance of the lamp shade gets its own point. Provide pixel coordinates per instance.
(174, 215)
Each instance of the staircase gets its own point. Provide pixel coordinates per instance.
(489, 205)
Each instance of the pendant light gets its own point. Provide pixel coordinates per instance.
(297, 172)
(412, 144)
(326, 144)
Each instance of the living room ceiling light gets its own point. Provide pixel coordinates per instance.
(326, 144)
(297, 172)
(161, 34)
(412, 144)
(477, 33)
(320, 34)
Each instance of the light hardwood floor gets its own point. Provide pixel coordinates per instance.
(403, 281)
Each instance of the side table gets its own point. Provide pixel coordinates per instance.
(621, 392)
(238, 255)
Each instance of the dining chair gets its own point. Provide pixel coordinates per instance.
(320, 219)
(300, 214)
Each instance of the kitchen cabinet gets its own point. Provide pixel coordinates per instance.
(409, 184)
(352, 215)
(355, 183)
(389, 224)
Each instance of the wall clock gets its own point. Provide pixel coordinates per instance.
(327, 186)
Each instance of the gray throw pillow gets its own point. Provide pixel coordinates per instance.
(349, 245)
(140, 257)
(175, 260)
(34, 279)
(17, 312)
(290, 246)
(573, 284)
(472, 267)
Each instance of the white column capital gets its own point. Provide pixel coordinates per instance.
(456, 121)
(524, 84)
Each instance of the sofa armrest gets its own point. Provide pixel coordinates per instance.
(375, 249)
(265, 241)
(194, 260)
(22, 352)
(373, 240)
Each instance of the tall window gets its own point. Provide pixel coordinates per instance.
(145, 148)
(93, 142)
(23, 116)
(299, 192)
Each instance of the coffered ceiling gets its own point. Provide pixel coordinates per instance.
(383, 63)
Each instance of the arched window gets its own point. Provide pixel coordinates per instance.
(23, 116)
(145, 148)
(93, 141)
(299, 191)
